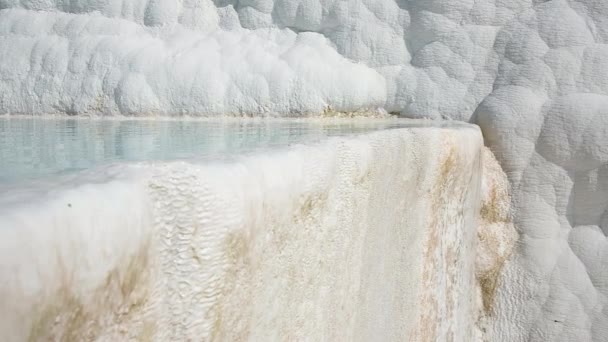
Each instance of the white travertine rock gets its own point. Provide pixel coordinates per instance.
(531, 73)
(352, 239)
(496, 238)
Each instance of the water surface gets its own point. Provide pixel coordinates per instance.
(33, 147)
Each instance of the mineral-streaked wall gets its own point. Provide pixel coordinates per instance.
(352, 239)
(531, 73)
(496, 238)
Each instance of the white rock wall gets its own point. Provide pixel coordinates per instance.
(352, 239)
(531, 73)
(496, 239)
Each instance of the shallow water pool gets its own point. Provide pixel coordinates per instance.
(39, 147)
(34, 147)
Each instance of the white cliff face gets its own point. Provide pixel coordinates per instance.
(531, 73)
(352, 239)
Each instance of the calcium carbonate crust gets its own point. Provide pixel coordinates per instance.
(496, 238)
(339, 241)
(531, 73)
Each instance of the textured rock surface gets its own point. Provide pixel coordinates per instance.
(352, 239)
(496, 238)
(531, 73)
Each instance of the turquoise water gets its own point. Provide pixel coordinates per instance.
(34, 147)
